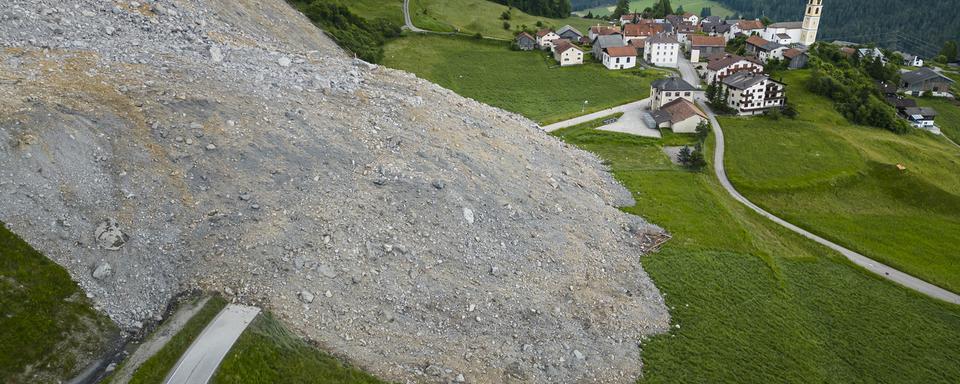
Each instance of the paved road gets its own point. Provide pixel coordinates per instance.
(407, 19)
(201, 360)
(632, 122)
(858, 259)
(596, 115)
(688, 72)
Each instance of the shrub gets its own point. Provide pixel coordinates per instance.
(506, 25)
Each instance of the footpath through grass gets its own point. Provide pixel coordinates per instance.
(156, 368)
(841, 181)
(754, 303)
(267, 353)
(48, 328)
(528, 83)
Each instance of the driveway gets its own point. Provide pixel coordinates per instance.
(596, 115)
(632, 122)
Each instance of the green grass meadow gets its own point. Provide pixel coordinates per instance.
(692, 6)
(948, 115)
(481, 16)
(841, 181)
(754, 303)
(267, 353)
(47, 325)
(528, 83)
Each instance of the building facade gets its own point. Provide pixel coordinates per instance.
(619, 57)
(666, 90)
(751, 93)
(811, 22)
(662, 50)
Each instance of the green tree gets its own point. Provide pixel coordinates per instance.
(949, 51)
(684, 156)
(623, 8)
(697, 160)
(505, 15)
(679, 10)
(703, 131)
(766, 21)
(506, 25)
(706, 12)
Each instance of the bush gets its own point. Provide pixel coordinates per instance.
(506, 25)
(358, 35)
(478, 36)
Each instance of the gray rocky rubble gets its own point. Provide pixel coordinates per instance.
(237, 149)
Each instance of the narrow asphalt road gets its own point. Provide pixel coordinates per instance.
(596, 115)
(407, 19)
(201, 360)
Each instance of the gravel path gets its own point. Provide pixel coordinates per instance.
(201, 360)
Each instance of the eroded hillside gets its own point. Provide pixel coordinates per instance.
(152, 147)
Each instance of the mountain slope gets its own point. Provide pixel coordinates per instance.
(229, 145)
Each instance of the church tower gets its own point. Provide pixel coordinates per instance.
(811, 22)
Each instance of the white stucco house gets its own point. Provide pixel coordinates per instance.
(545, 38)
(567, 54)
(619, 57)
(751, 93)
(680, 116)
(663, 91)
(662, 50)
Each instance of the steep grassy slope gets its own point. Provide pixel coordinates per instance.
(692, 6)
(481, 16)
(48, 331)
(948, 115)
(528, 83)
(841, 181)
(753, 303)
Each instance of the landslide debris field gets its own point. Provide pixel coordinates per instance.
(157, 146)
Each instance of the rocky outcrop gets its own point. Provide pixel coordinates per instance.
(234, 148)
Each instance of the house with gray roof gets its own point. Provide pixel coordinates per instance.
(606, 41)
(668, 89)
(525, 41)
(751, 93)
(570, 33)
(920, 117)
(923, 80)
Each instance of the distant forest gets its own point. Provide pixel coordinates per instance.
(546, 8)
(918, 27)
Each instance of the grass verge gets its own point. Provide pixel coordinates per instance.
(48, 329)
(156, 368)
(268, 353)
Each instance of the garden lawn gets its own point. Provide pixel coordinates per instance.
(47, 325)
(267, 353)
(482, 16)
(753, 303)
(528, 83)
(841, 181)
(692, 6)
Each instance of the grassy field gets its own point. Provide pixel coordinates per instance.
(692, 6)
(841, 181)
(373, 9)
(528, 83)
(753, 303)
(267, 353)
(948, 115)
(483, 16)
(47, 326)
(156, 368)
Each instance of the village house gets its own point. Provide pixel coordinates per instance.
(619, 57)
(662, 50)
(871, 54)
(604, 42)
(920, 117)
(665, 90)
(691, 18)
(706, 46)
(788, 32)
(545, 38)
(796, 58)
(600, 30)
(525, 41)
(640, 32)
(570, 33)
(923, 80)
(684, 31)
(747, 27)
(765, 50)
(565, 53)
(911, 60)
(630, 18)
(718, 28)
(721, 66)
(750, 93)
(680, 116)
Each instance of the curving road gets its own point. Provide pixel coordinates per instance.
(867, 263)
(407, 19)
(200, 361)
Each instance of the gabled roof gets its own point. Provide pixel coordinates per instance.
(712, 20)
(783, 36)
(523, 35)
(544, 32)
(567, 28)
(681, 109)
(687, 15)
(757, 41)
(707, 41)
(921, 75)
(787, 25)
(662, 38)
(609, 41)
(604, 30)
(642, 30)
(725, 60)
(672, 84)
(715, 27)
(921, 111)
(564, 46)
(744, 80)
(793, 53)
(621, 51)
(901, 103)
(749, 25)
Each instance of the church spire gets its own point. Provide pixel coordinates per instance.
(811, 22)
